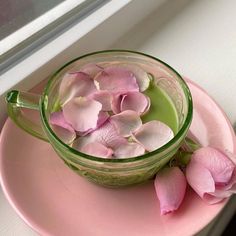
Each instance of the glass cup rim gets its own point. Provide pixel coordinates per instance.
(185, 126)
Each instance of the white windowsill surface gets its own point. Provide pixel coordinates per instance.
(197, 38)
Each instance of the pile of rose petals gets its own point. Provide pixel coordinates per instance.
(101, 110)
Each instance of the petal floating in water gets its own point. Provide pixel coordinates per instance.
(153, 134)
(82, 113)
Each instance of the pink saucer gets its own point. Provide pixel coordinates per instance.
(55, 201)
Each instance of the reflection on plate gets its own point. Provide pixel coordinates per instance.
(55, 201)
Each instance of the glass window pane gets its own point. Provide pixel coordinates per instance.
(26, 25)
(17, 13)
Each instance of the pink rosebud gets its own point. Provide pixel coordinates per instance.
(170, 185)
(212, 174)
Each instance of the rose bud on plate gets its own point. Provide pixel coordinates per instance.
(170, 185)
(212, 174)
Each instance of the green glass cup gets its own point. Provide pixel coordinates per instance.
(106, 172)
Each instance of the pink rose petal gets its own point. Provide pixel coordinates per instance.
(104, 97)
(201, 180)
(230, 186)
(61, 128)
(210, 199)
(231, 156)
(102, 118)
(170, 186)
(97, 149)
(128, 149)
(135, 101)
(91, 69)
(140, 75)
(57, 118)
(106, 135)
(115, 103)
(220, 166)
(220, 194)
(117, 80)
(77, 84)
(82, 113)
(64, 134)
(126, 122)
(153, 134)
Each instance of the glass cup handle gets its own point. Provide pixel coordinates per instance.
(16, 103)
